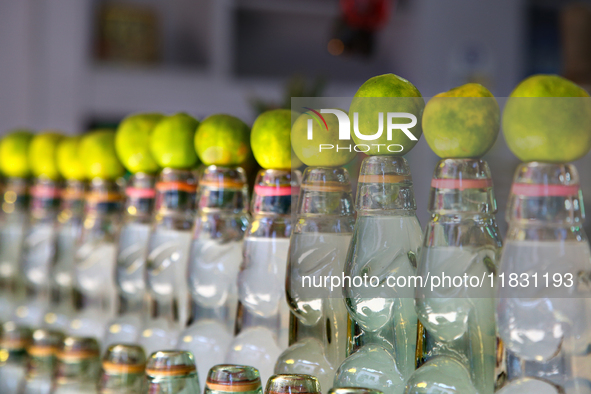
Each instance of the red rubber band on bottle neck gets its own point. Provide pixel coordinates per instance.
(461, 184)
(135, 192)
(270, 191)
(537, 190)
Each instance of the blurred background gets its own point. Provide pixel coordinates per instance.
(76, 64)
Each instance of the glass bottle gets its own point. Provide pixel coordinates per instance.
(543, 293)
(123, 370)
(230, 378)
(37, 253)
(172, 372)
(131, 261)
(13, 219)
(318, 249)
(353, 390)
(69, 227)
(292, 383)
(385, 244)
(214, 262)
(262, 323)
(166, 261)
(78, 366)
(456, 346)
(13, 356)
(95, 260)
(41, 362)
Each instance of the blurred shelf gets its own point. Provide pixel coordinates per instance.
(117, 91)
(328, 8)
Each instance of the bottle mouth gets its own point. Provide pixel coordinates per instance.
(234, 378)
(275, 191)
(385, 184)
(170, 363)
(546, 192)
(462, 186)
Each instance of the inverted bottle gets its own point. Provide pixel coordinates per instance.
(385, 244)
(318, 249)
(78, 366)
(172, 372)
(543, 305)
(41, 362)
(131, 261)
(166, 260)
(456, 346)
(262, 322)
(231, 378)
(123, 370)
(214, 263)
(14, 341)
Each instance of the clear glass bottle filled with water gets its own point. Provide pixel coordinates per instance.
(216, 254)
(131, 261)
(385, 245)
(166, 260)
(457, 343)
(61, 278)
(543, 292)
(38, 253)
(318, 249)
(13, 220)
(262, 323)
(95, 257)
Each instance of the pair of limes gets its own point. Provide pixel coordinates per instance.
(148, 142)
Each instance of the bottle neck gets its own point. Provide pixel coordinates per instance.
(103, 198)
(45, 199)
(72, 201)
(326, 191)
(41, 366)
(385, 187)
(462, 187)
(15, 196)
(274, 192)
(77, 371)
(546, 195)
(140, 198)
(223, 189)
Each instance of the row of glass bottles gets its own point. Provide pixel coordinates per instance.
(456, 349)
(456, 336)
(150, 249)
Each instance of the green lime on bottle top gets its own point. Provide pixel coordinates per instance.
(99, 159)
(43, 155)
(375, 105)
(222, 140)
(270, 139)
(14, 154)
(547, 118)
(462, 122)
(68, 159)
(171, 143)
(132, 142)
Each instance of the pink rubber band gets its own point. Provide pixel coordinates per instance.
(536, 190)
(269, 191)
(134, 192)
(461, 183)
(45, 192)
